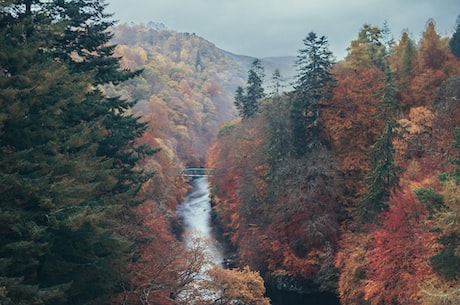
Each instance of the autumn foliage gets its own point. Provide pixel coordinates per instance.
(237, 286)
(292, 217)
(91, 155)
(401, 246)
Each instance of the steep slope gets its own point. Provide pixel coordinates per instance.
(303, 221)
(187, 87)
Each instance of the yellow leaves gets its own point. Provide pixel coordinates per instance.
(165, 149)
(279, 273)
(420, 120)
(448, 217)
(422, 116)
(238, 286)
(131, 57)
(373, 291)
(415, 178)
(182, 133)
(358, 56)
(352, 261)
(416, 133)
(440, 292)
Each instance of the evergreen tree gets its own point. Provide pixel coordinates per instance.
(84, 41)
(66, 161)
(373, 37)
(247, 100)
(388, 40)
(454, 42)
(85, 47)
(240, 101)
(277, 127)
(447, 261)
(382, 177)
(254, 87)
(314, 83)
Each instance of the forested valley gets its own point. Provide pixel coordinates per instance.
(341, 179)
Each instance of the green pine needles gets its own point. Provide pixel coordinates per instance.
(67, 154)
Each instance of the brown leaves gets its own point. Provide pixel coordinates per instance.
(350, 116)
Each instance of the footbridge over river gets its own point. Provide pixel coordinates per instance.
(195, 172)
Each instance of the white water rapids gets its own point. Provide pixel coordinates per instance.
(195, 212)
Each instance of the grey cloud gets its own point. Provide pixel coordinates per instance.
(277, 27)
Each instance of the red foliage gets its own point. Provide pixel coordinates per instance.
(162, 269)
(149, 280)
(399, 259)
(225, 177)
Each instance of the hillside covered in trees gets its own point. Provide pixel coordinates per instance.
(345, 181)
(92, 136)
(349, 183)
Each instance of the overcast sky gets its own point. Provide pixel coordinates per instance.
(262, 28)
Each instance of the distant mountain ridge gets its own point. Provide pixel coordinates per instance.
(187, 82)
(285, 65)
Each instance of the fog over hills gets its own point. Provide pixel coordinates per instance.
(285, 65)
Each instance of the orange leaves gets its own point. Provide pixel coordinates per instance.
(350, 117)
(302, 267)
(421, 119)
(388, 261)
(351, 259)
(422, 88)
(148, 279)
(161, 268)
(433, 50)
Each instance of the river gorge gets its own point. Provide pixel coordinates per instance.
(195, 213)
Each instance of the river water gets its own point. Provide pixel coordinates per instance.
(195, 213)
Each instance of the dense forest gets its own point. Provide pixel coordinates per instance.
(350, 181)
(345, 181)
(92, 136)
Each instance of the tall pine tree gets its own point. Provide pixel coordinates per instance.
(247, 101)
(454, 42)
(67, 155)
(383, 175)
(447, 261)
(276, 112)
(314, 83)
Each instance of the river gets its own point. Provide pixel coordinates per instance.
(195, 213)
